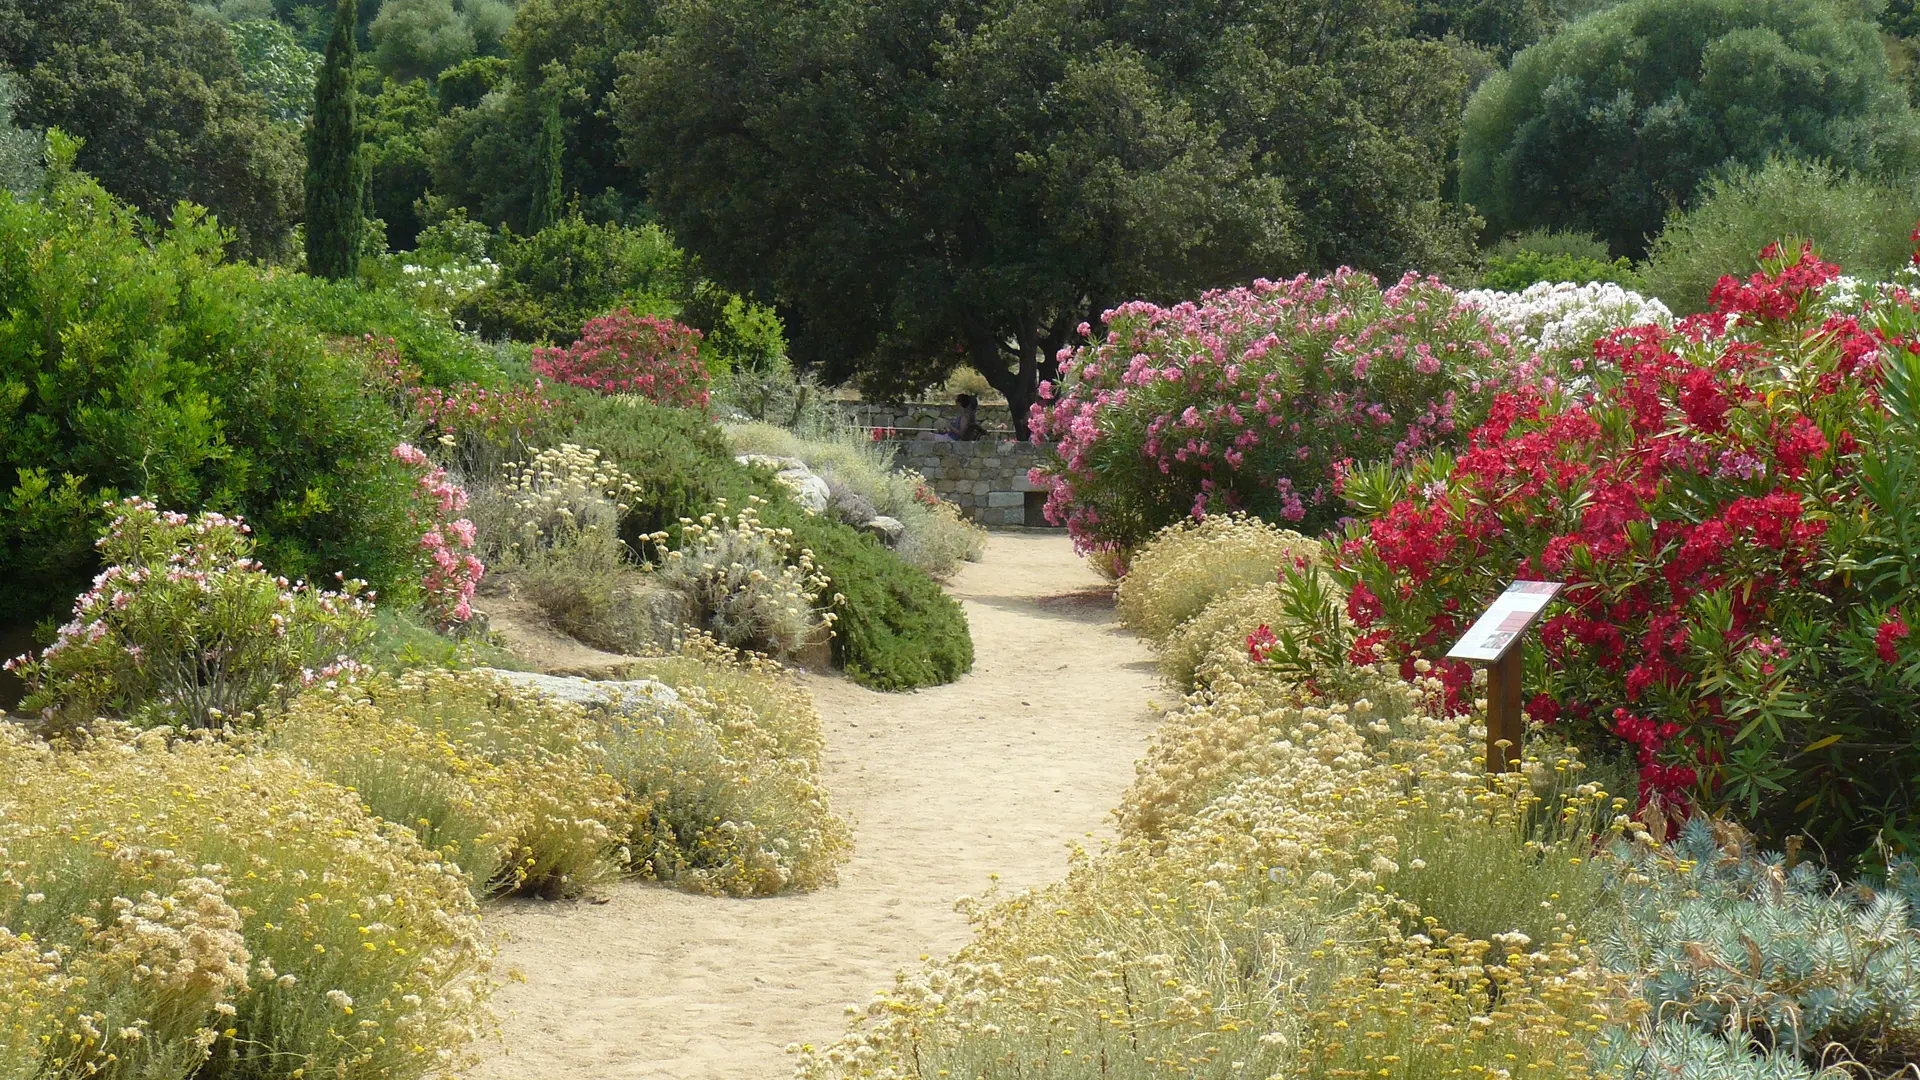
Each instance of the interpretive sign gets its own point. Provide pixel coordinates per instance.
(1508, 617)
(1490, 641)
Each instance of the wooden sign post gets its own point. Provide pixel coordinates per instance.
(1494, 640)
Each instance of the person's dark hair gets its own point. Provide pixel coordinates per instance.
(966, 401)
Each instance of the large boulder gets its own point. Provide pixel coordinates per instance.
(888, 530)
(629, 697)
(809, 490)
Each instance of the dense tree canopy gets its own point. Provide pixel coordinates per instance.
(925, 183)
(1608, 124)
(156, 91)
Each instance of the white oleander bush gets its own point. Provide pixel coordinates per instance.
(1559, 321)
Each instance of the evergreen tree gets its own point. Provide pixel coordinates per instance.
(549, 197)
(336, 170)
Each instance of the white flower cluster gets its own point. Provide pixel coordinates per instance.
(1847, 295)
(1560, 321)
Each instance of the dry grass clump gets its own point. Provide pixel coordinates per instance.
(937, 540)
(180, 908)
(500, 779)
(726, 791)
(1186, 566)
(1260, 929)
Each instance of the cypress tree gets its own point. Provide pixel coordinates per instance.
(548, 193)
(336, 177)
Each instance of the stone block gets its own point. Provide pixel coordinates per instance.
(981, 487)
(1021, 483)
(1003, 499)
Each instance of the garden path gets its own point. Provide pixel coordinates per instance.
(994, 774)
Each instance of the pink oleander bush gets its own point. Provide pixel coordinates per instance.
(184, 627)
(452, 571)
(1256, 398)
(478, 427)
(624, 353)
(1732, 507)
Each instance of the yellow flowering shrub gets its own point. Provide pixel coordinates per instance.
(1188, 565)
(183, 908)
(502, 780)
(726, 793)
(1285, 899)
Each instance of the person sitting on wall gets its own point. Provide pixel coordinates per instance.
(965, 427)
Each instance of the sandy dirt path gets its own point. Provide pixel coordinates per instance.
(994, 774)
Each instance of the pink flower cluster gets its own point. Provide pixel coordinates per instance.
(452, 570)
(623, 353)
(502, 417)
(185, 625)
(1256, 398)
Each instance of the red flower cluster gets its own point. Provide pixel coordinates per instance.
(623, 353)
(1687, 501)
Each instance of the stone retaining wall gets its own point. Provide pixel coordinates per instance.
(911, 418)
(987, 480)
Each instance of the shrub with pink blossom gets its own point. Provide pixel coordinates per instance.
(478, 427)
(1732, 507)
(452, 571)
(185, 627)
(624, 353)
(1256, 398)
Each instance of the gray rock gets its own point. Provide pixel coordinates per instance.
(629, 698)
(888, 530)
(808, 490)
(853, 507)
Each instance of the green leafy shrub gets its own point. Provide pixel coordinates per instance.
(134, 362)
(185, 628)
(208, 912)
(1857, 223)
(500, 779)
(346, 309)
(745, 336)
(553, 282)
(894, 628)
(1624, 113)
(1512, 273)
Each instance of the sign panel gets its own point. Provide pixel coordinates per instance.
(1495, 631)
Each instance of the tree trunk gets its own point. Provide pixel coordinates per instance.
(989, 357)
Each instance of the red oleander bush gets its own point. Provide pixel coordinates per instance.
(1733, 506)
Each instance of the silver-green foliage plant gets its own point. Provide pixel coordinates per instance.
(744, 583)
(1765, 956)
